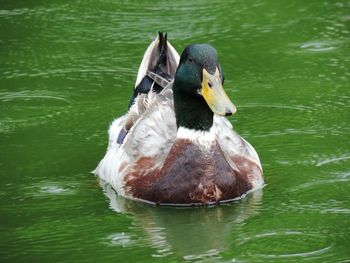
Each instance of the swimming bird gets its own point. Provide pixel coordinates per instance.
(179, 148)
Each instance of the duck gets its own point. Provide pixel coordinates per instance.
(175, 145)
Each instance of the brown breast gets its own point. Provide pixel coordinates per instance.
(191, 174)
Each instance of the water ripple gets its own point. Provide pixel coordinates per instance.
(318, 46)
(61, 72)
(333, 159)
(43, 189)
(120, 239)
(278, 106)
(304, 254)
(318, 183)
(329, 206)
(31, 94)
(208, 255)
(288, 244)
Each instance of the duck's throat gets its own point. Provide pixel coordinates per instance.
(192, 112)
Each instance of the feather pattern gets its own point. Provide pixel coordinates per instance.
(153, 136)
(150, 158)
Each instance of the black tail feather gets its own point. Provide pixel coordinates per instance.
(160, 66)
(162, 49)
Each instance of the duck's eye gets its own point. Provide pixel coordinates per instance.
(190, 60)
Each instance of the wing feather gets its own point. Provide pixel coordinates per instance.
(232, 143)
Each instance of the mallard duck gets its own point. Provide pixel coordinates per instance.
(177, 146)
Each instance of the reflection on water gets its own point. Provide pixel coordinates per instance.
(120, 239)
(192, 233)
(204, 233)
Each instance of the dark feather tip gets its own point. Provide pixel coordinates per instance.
(121, 136)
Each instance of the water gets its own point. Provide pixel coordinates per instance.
(67, 69)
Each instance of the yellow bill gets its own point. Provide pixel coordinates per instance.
(214, 94)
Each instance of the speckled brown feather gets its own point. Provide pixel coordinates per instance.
(190, 174)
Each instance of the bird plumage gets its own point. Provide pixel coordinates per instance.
(160, 161)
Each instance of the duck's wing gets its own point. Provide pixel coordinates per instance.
(239, 154)
(157, 68)
(150, 137)
(154, 129)
(106, 167)
(232, 143)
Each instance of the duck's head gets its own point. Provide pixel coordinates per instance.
(198, 88)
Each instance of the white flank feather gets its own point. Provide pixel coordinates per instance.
(233, 144)
(152, 135)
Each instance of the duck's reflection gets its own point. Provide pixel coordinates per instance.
(191, 232)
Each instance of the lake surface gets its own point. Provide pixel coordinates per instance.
(68, 68)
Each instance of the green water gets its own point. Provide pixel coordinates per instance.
(68, 68)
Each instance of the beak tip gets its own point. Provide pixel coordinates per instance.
(229, 112)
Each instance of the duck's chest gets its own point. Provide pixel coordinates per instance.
(193, 173)
(200, 174)
(191, 162)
